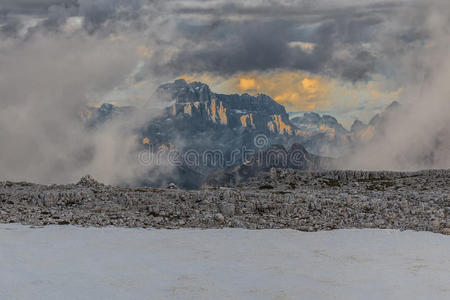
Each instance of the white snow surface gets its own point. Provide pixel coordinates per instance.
(68, 262)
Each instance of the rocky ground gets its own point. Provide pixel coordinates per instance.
(307, 201)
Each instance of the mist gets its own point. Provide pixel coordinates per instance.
(417, 136)
(56, 58)
(44, 83)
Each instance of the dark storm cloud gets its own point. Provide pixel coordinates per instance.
(227, 47)
(95, 13)
(11, 26)
(34, 7)
(274, 9)
(253, 46)
(98, 12)
(228, 37)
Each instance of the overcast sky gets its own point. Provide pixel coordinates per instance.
(344, 57)
(347, 58)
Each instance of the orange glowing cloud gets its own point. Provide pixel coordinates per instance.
(204, 77)
(247, 84)
(295, 90)
(312, 86)
(302, 91)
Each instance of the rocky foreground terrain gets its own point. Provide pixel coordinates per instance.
(307, 201)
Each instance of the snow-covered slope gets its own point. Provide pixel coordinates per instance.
(68, 262)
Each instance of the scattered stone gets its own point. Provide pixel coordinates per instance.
(307, 201)
(227, 209)
(446, 231)
(172, 186)
(219, 217)
(88, 181)
(266, 187)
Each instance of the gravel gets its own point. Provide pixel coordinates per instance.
(306, 201)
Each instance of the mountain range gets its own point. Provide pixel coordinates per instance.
(236, 127)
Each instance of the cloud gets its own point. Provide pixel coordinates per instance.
(230, 37)
(263, 46)
(322, 37)
(295, 90)
(247, 83)
(33, 7)
(11, 26)
(377, 91)
(418, 136)
(305, 47)
(303, 91)
(346, 57)
(45, 82)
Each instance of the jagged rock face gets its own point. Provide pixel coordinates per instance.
(93, 116)
(324, 134)
(379, 121)
(358, 126)
(328, 137)
(313, 123)
(198, 120)
(275, 157)
(361, 133)
(181, 92)
(195, 101)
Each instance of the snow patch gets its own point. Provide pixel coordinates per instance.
(67, 262)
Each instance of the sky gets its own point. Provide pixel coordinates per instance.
(346, 58)
(337, 57)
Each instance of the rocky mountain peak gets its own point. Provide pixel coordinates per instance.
(393, 106)
(195, 102)
(314, 123)
(184, 92)
(381, 118)
(358, 126)
(329, 119)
